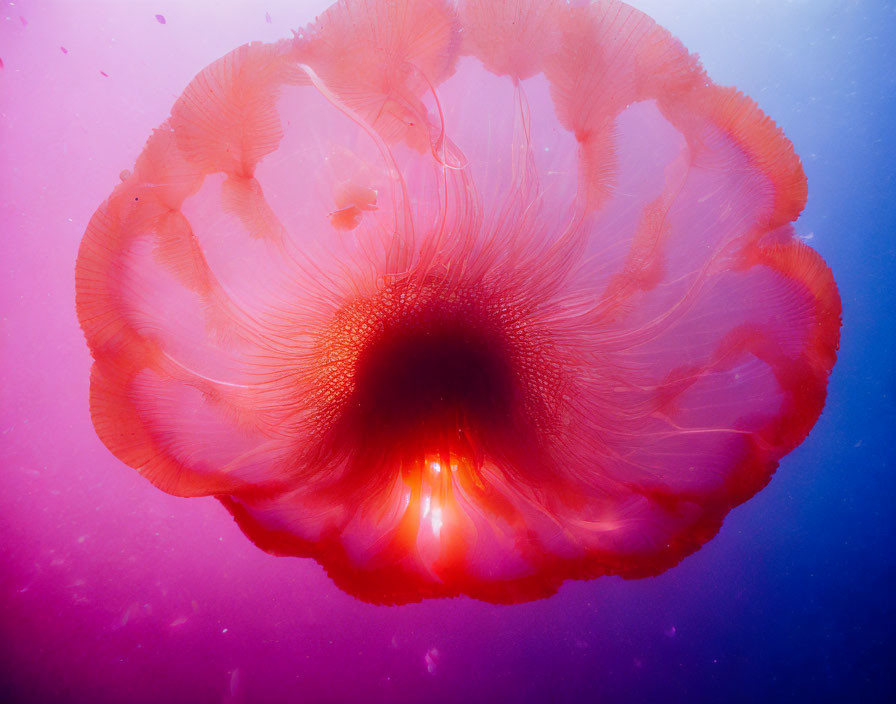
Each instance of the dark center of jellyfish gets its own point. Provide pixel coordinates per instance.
(419, 371)
(424, 371)
(431, 384)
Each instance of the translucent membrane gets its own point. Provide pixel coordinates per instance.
(462, 298)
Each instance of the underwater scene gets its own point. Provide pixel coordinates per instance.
(447, 350)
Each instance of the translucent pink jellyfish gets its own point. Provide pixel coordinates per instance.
(460, 298)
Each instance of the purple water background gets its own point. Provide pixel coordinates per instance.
(115, 592)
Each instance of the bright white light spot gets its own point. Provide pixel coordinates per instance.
(435, 467)
(436, 521)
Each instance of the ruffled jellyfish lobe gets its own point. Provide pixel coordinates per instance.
(461, 298)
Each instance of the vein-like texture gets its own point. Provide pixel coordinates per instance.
(461, 299)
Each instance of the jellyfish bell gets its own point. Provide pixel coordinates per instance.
(460, 298)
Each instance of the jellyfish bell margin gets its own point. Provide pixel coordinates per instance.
(460, 298)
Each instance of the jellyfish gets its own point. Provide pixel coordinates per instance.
(460, 298)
